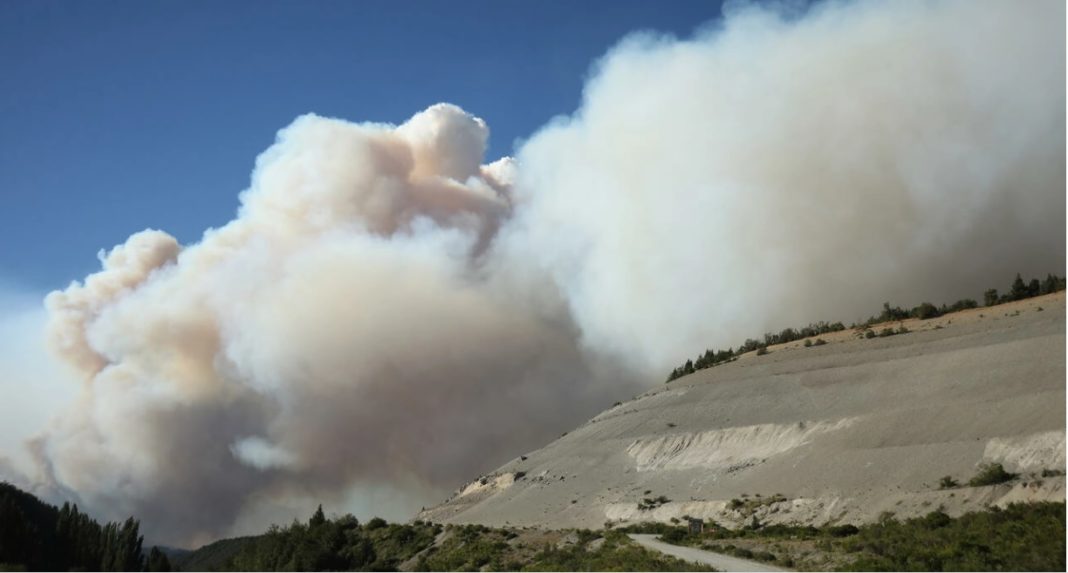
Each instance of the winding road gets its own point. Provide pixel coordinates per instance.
(718, 560)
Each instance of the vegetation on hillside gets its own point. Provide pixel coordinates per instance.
(1019, 290)
(1021, 537)
(344, 544)
(37, 536)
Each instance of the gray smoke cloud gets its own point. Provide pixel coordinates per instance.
(387, 311)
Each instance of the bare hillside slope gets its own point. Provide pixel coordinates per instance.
(834, 433)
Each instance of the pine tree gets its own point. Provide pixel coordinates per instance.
(157, 561)
(317, 518)
(1019, 289)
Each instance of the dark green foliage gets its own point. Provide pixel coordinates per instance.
(157, 561)
(924, 311)
(991, 474)
(211, 557)
(714, 358)
(652, 503)
(1034, 288)
(38, 536)
(330, 545)
(1052, 284)
(617, 553)
(891, 314)
(674, 535)
(842, 530)
(947, 482)
(1018, 291)
(652, 527)
(317, 518)
(469, 548)
(1022, 537)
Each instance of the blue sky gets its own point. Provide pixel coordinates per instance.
(122, 115)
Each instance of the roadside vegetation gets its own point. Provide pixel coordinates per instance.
(344, 544)
(1021, 537)
(35, 536)
(1018, 290)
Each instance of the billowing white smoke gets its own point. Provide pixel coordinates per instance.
(342, 329)
(772, 172)
(386, 310)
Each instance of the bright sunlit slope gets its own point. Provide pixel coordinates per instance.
(840, 432)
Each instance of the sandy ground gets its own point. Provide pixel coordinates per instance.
(835, 433)
(717, 560)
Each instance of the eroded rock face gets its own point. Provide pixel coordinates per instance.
(730, 448)
(836, 433)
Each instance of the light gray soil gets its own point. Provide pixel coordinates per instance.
(835, 433)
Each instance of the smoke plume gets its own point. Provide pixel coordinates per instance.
(385, 310)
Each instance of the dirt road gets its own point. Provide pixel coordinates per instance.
(718, 560)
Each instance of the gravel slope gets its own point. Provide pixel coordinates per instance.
(840, 432)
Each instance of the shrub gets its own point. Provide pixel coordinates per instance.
(762, 351)
(991, 474)
(808, 342)
(765, 556)
(743, 553)
(819, 342)
(925, 310)
(1021, 537)
(947, 482)
(673, 535)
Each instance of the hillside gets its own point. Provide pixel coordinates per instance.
(840, 432)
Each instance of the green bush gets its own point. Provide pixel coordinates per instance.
(925, 310)
(842, 530)
(991, 474)
(1022, 537)
(947, 482)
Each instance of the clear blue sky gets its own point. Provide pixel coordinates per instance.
(122, 115)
